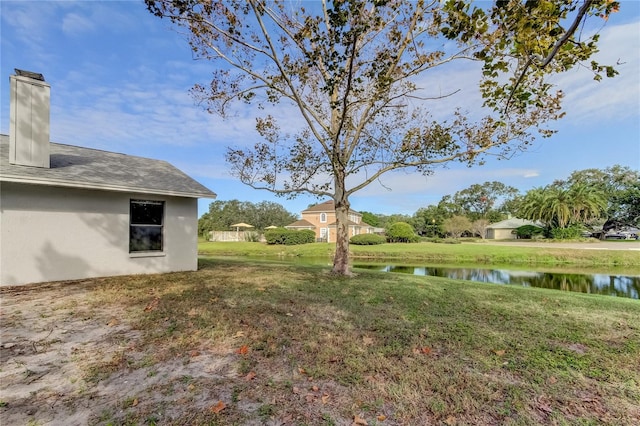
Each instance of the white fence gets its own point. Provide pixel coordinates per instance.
(228, 236)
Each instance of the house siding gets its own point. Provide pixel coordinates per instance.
(501, 234)
(52, 233)
(330, 233)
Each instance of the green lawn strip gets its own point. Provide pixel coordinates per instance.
(437, 253)
(415, 350)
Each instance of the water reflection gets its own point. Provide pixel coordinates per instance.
(612, 285)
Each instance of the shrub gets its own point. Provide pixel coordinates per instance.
(289, 237)
(252, 237)
(401, 232)
(528, 231)
(570, 233)
(367, 239)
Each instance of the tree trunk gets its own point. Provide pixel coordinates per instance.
(341, 259)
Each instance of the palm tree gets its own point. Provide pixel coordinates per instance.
(588, 202)
(561, 207)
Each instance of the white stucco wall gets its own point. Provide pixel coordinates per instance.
(51, 234)
(500, 234)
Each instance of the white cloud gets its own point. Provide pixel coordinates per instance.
(597, 103)
(73, 24)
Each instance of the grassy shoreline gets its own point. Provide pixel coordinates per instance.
(438, 253)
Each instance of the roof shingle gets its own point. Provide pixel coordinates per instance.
(78, 167)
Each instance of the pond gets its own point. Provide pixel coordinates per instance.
(611, 284)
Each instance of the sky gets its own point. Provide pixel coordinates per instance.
(120, 81)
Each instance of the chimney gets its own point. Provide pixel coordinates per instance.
(29, 119)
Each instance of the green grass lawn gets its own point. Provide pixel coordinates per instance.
(305, 347)
(433, 252)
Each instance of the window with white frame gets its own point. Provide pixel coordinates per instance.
(323, 218)
(146, 222)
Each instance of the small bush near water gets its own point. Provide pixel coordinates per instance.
(289, 237)
(367, 239)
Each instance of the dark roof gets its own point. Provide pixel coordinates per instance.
(301, 224)
(326, 207)
(78, 167)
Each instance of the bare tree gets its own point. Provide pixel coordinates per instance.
(351, 70)
(479, 227)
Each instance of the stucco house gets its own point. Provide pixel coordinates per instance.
(321, 218)
(503, 230)
(68, 212)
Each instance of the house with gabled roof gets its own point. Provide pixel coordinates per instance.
(505, 229)
(321, 218)
(69, 212)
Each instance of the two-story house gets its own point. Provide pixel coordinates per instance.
(321, 219)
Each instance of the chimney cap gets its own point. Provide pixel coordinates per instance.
(29, 74)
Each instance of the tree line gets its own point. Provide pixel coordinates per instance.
(590, 199)
(223, 214)
(587, 200)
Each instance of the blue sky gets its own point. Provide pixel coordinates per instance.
(120, 79)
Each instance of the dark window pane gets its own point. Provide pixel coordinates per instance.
(146, 212)
(145, 238)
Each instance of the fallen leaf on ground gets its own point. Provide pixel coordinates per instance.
(500, 352)
(135, 402)
(450, 421)
(152, 305)
(424, 350)
(250, 376)
(243, 350)
(113, 323)
(381, 418)
(194, 353)
(315, 388)
(218, 407)
(296, 390)
(367, 340)
(325, 398)
(552, 380)
(357, 420)
(238, 334)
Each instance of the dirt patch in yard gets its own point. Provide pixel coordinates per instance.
(67, 361)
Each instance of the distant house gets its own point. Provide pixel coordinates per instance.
(504, 230)
(321, 219)
(69, 212)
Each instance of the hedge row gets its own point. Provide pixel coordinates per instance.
(367, 239)
(289, 237)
